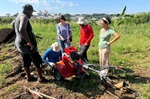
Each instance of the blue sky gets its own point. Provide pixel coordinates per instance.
(76, 6)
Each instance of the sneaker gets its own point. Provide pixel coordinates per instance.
(31, 79)
(42, 80)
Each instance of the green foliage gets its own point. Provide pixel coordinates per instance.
(119, 20)
(44, 20)
(5, 26)
(141, 18)
(6, 20)
(123, 12)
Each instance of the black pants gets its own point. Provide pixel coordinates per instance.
(84, 51)
(33, 57)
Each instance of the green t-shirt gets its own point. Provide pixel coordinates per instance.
(104, 38)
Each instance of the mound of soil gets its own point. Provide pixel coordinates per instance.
(7, 35)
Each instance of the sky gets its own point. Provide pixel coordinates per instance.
(76, 6)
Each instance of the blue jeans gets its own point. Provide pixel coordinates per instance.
(63, 44)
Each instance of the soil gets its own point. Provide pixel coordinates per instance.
(7, 35)
(18, 77)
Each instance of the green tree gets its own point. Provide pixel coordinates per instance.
(120, 19)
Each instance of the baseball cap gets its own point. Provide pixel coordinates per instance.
(28, 7)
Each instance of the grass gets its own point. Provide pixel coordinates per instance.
(130, 51)
(4, 69)
(5, 26)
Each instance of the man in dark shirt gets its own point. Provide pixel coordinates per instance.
(26, 43)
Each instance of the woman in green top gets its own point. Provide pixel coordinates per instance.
(104, 44)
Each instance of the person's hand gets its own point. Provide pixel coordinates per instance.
(108, 43)
(62, 38)
(68, 40)
(31, 46)
(85, 44)
(51, 63)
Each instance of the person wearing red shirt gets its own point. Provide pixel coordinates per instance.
(86, 35)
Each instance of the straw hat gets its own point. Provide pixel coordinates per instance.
(81, 20)
(55, 47)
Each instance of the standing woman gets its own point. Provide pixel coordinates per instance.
(86, 35)
(104, 44)
(64, 33)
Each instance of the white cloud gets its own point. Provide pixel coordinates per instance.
(71, 4)
(25, 1)
(58, 1)
(48, 4)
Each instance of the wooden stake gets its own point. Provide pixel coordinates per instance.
(39, 94)
(35, 93)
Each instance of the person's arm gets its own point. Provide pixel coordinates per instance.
(22, 29)
(116, 37)
(45, 56)
(13, 24)
(91, 35)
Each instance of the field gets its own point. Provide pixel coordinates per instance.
(131, 51)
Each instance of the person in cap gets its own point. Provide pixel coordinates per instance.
(64, 33)
(86, 35)
(52, 55)
(104, 41)
(26, 43)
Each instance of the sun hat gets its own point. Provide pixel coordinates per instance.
(28, 7)
(55, 47)
(81, 20)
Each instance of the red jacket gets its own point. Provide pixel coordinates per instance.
(86, 34)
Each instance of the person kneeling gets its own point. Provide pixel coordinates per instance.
(52, 55)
